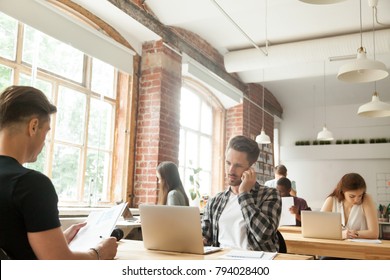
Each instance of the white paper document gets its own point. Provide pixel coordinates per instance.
(286, 218)
(248, 255)
(100, 224)
(375, 241)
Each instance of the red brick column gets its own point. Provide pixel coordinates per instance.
(158, 120)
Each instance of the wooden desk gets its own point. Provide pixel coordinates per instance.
(336, 248)
(134, 250)
(292, 229)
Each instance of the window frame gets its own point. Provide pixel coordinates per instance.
(218, 133)
(121, 132)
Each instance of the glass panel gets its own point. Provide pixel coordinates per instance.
(70, 116)
(192, 149)
(97, 176)
(65, 171)
(206, 119)
(52, 55)
(45, 87)
(182, 148)
(39, 164)
(205, 153)
(6, 75)
(205, 182)
(8, 35)
(103, 76)
(189, 109)
(100, 124)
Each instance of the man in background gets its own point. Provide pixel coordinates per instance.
(283, 185)
(279, 172)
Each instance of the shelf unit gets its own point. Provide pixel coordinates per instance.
(343, 152)
(264, 165)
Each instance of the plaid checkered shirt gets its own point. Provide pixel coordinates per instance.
(261, 209)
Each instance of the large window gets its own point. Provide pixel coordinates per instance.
(79, 152)
(200, 128)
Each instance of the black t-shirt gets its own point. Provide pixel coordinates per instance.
(28, 203)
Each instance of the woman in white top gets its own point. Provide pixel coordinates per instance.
(358, 211)
(170, 187)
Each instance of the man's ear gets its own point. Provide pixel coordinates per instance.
(33, 125)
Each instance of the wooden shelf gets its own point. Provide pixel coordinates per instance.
(330, 152)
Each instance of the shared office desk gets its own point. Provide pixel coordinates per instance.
(296, 244)
(135, 250)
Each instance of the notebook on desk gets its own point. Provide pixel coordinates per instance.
(317, 224)
(173, 228)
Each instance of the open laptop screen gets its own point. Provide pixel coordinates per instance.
(317, 224)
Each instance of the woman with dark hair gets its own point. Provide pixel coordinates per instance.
(170, 187)
(357, 208)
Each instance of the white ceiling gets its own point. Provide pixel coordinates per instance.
(294, 72)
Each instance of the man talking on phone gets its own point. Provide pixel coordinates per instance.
(246, 215)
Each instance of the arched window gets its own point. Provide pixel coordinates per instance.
(201, 129)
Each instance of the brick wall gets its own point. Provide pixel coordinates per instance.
(158, 124)
(158, 120)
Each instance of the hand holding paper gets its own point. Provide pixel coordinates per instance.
(100, 224)
(286, 218)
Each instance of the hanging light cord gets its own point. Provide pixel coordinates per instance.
(373, 29)
(361, 25)
(324, 94)
(262, 126)
(373, 38)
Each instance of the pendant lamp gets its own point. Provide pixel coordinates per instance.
(375, 108)
(324, 134)
(263, 138)
(362, 69)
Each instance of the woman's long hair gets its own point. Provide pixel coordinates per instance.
(170, 181)
(349, 182)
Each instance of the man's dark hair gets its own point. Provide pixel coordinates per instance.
(245, 144)
(281, 170)
(284, 182)
(17, 103)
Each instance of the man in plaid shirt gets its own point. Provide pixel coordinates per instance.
(245, 215)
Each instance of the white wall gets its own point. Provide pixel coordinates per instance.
(316, 175)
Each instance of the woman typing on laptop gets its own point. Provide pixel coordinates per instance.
(357, 208)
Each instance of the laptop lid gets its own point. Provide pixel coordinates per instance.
(317, 224)
(171, 228)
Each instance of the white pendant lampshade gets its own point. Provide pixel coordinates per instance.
(321, 2)
(325, 134)
(375, 108)
(263, 138)
(362, 69)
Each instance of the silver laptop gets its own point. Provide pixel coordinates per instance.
(173, 228)
(317, 224)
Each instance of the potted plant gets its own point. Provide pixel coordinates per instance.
(195, 186)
